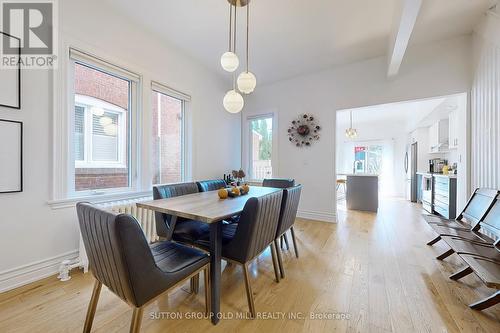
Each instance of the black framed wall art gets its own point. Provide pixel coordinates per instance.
(10, 72)
(11, 156)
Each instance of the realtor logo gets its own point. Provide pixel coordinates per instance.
(34, 23)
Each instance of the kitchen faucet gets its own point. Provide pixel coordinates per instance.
(354, 165)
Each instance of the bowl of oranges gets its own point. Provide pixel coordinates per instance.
(233, 192)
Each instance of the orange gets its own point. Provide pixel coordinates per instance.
(222, 193)
(236, 190)
(245, 188)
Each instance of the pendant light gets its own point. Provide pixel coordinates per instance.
(233, 101)
(351, 132)
(247, 80)
(229, 60)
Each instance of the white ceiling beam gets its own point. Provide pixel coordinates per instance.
(405, 19)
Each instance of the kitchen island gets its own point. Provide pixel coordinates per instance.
(362, 192)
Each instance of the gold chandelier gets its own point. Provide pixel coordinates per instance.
(351, 132)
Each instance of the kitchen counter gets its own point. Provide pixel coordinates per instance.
(362, 192)
(436, 174)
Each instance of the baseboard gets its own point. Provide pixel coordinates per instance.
(317, 216)
(20, 276)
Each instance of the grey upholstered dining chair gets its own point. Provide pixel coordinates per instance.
(211, 185)
(244, 241)
(121, 259)
(280, 183)
(179, 229)
(288, 213)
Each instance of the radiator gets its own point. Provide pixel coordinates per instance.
(145, 217)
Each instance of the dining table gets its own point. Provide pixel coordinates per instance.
(208, 208)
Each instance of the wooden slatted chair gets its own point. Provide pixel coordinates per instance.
(466, 222)
(481, 255)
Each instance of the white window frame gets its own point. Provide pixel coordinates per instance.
(86, 103)
(185, 100)
(91, 61)
(247, 143)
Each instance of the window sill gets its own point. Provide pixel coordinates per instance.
(97, 199)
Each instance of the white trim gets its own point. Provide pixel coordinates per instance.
(161, 88)
(317, 216)
(63, 167)
(97, 199)
(185, 103)
(22, 275)
(246, 142)
(100, 64)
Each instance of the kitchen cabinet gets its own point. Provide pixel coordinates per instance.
(445, 196)
(453, 130)
(439, 136)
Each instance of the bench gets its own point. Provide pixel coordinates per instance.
(479, 248)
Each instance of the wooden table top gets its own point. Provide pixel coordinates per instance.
(205, 206)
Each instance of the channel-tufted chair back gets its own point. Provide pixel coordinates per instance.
(163, 228)
(102, 236)
(211, 185)
(278, 182)
(256, 228)
(289, 207)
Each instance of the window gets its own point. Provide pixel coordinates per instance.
(100, 129)
(102, 98)
(260, 147)
(368, 159)
(168, 135)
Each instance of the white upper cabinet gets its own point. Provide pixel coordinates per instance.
(439, 136)
(454, 131)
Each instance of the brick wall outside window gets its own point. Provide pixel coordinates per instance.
(166, 148)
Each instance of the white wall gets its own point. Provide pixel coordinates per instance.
(435, 69)
(485, 104)
(31, 231)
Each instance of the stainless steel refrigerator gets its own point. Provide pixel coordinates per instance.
(410, 164)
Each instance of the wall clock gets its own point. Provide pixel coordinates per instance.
(303, 131)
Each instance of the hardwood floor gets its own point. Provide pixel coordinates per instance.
(374, 271)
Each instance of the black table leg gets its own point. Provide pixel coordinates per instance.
(215, 269)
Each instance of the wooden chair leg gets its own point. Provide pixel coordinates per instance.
(248, 287)
(285, 237)
(275, 262)
(206, 276)
(92, 306)
(135, 325)
(461, 273)
(487, 302)
(294, 242)
(445, 254)
(280, 259)
(434, 241)
(195, 283)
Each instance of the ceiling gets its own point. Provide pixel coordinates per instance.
(391, 120)
(294, 37)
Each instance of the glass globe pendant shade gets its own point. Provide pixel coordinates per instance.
(111, 129)
(229, 61)
(104, 121)
(246, 82)
(233, 101)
